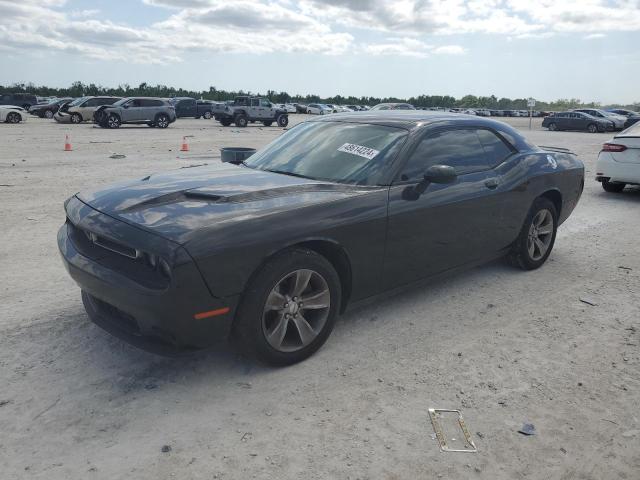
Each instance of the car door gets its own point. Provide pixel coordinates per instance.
(133, 111)
(448, 225)
(87, 108)
(254, 108)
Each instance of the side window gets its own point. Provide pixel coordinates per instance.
(154, 103)
(255, 102)
(495, 148)
(92, 102)
(460, 149)
(264, 102)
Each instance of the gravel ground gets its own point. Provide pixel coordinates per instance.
(504, 346)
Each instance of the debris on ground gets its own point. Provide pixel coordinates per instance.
(165, 448)
(528, 429)
(588, 301)
(117, 155)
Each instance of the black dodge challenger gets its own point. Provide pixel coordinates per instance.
(333, 212)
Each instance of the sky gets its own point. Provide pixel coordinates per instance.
(545, 49)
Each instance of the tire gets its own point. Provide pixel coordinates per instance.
(225, 123)
(162, 121)
(76, 118)
(267, 124)
(241, 121)
(13, 117)
(613, 187)
(113, 121)
(255, 321)
(48, 114)
(592, 128)
(552, 127)
(521, 252)
(283, 121)
(207, 115)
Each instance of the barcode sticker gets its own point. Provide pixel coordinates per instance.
(359, 150)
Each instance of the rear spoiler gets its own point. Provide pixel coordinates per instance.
(556, 149)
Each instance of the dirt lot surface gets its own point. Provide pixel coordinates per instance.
(504, 346)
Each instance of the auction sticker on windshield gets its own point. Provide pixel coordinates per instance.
(359, 150)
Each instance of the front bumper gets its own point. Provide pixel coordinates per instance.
(155, 315)
(62, 117)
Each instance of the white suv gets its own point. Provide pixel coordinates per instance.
(619, 160)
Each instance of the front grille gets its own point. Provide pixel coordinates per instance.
(116, 256)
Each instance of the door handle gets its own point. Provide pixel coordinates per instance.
(492, 183)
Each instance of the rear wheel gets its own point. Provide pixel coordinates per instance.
(289, 308)
(48, 114)
(536, 239)
(592, 128)
(553, 127)
(241, 121)
(613, 187)
(13, 117)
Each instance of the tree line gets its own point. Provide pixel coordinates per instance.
(79, 89)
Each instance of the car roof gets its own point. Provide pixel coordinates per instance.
(407, 119)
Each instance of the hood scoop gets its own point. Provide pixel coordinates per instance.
(211, 195)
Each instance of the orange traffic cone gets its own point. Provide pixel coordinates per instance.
(67, 144)
(185, 145)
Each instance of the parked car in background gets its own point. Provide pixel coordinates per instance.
(301, 108)
(469, 111)
(12, 114)
(618, 163)
(577, 121)
(318, 109)
(288, 107)
(48, 110)
(245, 109)
(24, 100)
(632, 117)
(496, 113)
(392, 106)
(618, 120)
(190, 107)
(81, 109)
(483, 112)
(154, 112)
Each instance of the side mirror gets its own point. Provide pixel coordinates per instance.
(440, 174)
(126, 105)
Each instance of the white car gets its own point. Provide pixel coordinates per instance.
(288, 107)
(12, 114)
(318, 109)
(619, 160)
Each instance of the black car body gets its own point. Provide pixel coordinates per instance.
(171, 260)
(48, 110)
(190, 107)
(577, 121)
(24, 100)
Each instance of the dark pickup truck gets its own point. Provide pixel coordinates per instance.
(190, 107)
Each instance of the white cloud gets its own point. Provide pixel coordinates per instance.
(594, 36)
(329, 27)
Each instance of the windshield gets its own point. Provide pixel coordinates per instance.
(121, 102)
(78, 101)
(339, 152)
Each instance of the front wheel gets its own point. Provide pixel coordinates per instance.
(76, 118)
(553, 127)
(162, 121)
(289, 309)
(612, 187)
(283, 121)
(207, 115)
(113, 121)
(535, 242)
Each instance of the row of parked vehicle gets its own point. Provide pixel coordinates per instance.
(592, 120)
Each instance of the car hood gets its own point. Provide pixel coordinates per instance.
(181, 204)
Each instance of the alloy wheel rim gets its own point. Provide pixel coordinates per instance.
(540, 234)
(296, 310)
